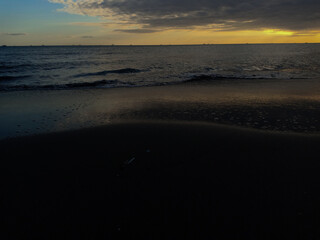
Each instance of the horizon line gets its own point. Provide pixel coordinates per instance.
(126, 45)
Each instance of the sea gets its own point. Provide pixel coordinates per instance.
(79, 67)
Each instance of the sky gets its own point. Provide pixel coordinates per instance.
(153, 22)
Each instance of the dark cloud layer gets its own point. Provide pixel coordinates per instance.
(143, 30)
(217, 14)
(15, 34)
(86, 36)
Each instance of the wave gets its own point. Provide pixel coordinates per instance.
(45, 66)
(15, 68)
(118, 84)
(9, 78)
(103, 73)
(214, 77)
(218, 77)
(95, 84)
(8, 67)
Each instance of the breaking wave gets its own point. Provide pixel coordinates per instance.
(103, 73)
(118, 84)
(96, 84)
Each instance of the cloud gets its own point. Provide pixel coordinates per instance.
(305, 34)
(142, 30)
(226, 15)
(89, 24)
(15, 34)
(87, 37)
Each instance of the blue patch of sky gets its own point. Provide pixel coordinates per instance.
(35, 16)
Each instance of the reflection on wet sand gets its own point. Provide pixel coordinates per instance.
(268, 105)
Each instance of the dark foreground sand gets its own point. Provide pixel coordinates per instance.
(161, 180)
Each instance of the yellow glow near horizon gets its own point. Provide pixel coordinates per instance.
(278, 32)
(104, 34)
(205, 36)
(220, 37)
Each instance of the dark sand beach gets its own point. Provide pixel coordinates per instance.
(178, 162)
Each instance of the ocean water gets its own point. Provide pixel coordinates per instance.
(73, 67)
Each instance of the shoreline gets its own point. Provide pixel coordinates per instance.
(201, 79)
(278, 106)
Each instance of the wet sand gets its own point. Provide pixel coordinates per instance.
(148, 174)
(286, 105)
